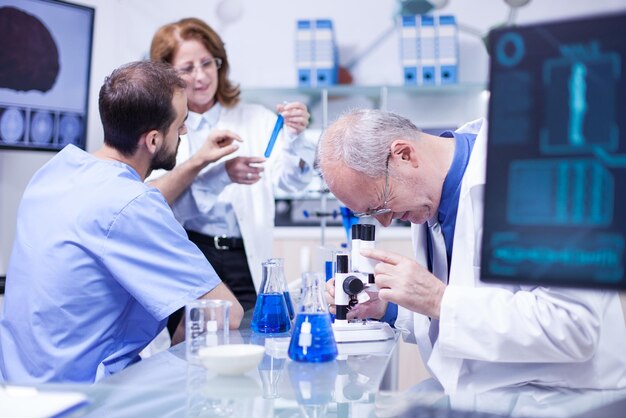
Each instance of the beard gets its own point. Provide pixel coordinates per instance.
(164, 158)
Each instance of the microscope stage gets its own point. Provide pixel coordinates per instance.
(347, 332)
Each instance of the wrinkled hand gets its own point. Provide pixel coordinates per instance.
(218, 144)
(403, 281)
(245, 170)
(296, 116)
(373, 308)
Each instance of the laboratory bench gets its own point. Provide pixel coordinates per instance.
(354, 385)
(165, 385)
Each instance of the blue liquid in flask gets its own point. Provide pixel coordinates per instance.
(321, 346)
(289, 305)
(270, 314)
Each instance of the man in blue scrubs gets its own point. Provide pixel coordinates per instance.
(472, 335)
(99, 262)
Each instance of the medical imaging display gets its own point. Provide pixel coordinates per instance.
(45, 59)
(555, 195)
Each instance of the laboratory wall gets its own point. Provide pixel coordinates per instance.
(259, 38)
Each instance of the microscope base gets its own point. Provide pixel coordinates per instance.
(347, 332)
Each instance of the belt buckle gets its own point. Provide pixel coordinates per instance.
(216, 241)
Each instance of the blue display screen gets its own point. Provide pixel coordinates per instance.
(555, 195)
(45, 61)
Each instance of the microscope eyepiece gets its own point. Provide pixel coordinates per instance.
(368, 232)
(343, 263)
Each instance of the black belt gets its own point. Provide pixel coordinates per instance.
(221, 242)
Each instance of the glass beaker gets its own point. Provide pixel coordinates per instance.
(271, 314)
(206, 325)
(283, 279)
(312, 340)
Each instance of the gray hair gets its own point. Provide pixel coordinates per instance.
(362, 139)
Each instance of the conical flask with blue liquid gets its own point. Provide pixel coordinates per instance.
(283, 279)
(312, 340)
(271, 314)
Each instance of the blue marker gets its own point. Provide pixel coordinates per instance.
(277, 128)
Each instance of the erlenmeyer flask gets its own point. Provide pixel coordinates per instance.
(270, 312)
(283, 279)
(312, 340)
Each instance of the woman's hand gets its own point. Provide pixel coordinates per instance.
(245, 170)
(296, 115)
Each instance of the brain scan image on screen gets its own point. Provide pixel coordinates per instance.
(12, 125)
(556, 169)
(26, 62)
(70, 129)
(45, 62)
(41, 127)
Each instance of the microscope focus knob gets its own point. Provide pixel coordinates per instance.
(352, 285)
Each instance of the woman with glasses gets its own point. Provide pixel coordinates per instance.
(227, 207)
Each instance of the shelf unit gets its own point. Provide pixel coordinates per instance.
(320, 101)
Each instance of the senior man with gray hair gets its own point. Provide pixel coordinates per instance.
(471, 334)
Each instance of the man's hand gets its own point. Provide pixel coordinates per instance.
(373, 308)
(403, 281)
(296, 115)
(245, 170)
(218, 144)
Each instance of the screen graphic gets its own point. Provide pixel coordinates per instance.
(555, 196)
(45, 59)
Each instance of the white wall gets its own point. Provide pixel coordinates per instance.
(261, 48)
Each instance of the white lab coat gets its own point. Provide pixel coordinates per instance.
(253, 205)
(494, 335)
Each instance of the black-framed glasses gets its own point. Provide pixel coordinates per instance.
(382, 210)
(205, 66)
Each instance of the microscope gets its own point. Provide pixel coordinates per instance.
(352, 282)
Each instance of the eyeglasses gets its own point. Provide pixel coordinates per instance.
(383, 209)
(205, 66)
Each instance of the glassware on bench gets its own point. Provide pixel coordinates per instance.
(271, 314)
(312, 340)
(283, 279)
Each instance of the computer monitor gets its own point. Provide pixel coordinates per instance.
(45, 60)
(555, 194)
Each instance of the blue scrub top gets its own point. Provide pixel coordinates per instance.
(98, 264)
(449, 203)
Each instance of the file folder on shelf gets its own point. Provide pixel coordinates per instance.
(447, 50)
(326, 67)
(316, 53)
(429, 50)
(410, 50)
(304, 52)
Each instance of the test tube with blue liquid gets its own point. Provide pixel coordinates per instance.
(271, 314)
(312, 340)
(280, 121)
